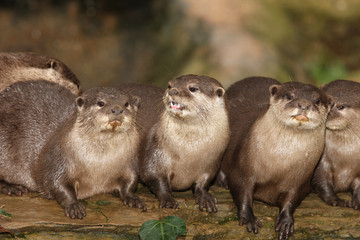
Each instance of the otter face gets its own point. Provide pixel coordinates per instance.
(346, 111)
(298, 105)
(192, 96)
(341, 116)
(107, 110)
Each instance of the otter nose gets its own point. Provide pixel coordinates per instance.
(304, 104)
(173, 92)
(117, 110)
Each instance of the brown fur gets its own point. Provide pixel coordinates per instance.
(92, 150)
(15, 67)
(339, 167)
(184, 148)
(276, 160)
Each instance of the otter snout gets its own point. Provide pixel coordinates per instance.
(304, 104)
(173, 92)
(117, 110)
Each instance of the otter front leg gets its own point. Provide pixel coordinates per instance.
(356, 194)
(12, 189)
(66, 197)
(160, 186)
(243, 198)
(327, 194)
(203, 197)
(126, 191)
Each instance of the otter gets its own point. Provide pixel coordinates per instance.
(241, 118)
(281, 143)
(339, 167)
(15, 67)
(183, 149)
(69, 148)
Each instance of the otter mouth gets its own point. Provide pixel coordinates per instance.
(301, 117)
(176, 106)
(114, 124)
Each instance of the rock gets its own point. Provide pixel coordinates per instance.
(34, 217)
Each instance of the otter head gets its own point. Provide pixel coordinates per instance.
(346, 110)
(298, 105)
(107, 110)
(193, 96)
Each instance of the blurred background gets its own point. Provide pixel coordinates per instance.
(107, 42)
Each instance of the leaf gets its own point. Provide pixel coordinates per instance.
(167, 229)
(4, 213)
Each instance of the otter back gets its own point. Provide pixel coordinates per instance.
(29, 113)
(15, 67)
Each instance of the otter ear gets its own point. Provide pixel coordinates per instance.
(220, 92)
(135, 100)
(274, 89)
(80, 102)
(331, 101)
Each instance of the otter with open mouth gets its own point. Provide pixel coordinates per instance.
(183, 149)
(339, 167)
(282, 136)
(69, 148)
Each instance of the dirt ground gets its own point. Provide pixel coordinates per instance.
(34, 217)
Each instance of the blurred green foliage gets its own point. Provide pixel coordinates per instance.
(302, 32)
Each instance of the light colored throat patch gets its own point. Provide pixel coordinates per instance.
(28, 74)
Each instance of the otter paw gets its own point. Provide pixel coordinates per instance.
(207, 201)
(340, 203)
(355, 204)
(168, 202)
(285, 226)
(12, 189)
(75, 210)
(133, 201)
(252, 223)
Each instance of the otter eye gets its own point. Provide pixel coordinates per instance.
(341, 107)
(317, 101)
(126, 104)
(288, 96)
(169, 86)
(193, 89)
(100, 103)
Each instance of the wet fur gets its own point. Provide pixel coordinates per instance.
(15, 67)
(339, 168)
(276, 159)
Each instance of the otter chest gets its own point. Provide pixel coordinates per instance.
(194, 156)
(285, 156)
(99, 170)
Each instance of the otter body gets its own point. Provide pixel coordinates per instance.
(243, 111)
(284, 139)
(15, 67)
(92, 150)
(339, 167)
(183, 149)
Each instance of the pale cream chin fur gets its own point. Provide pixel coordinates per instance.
(196, 142)
(99, 159)
(17, 74)
(285, 115)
